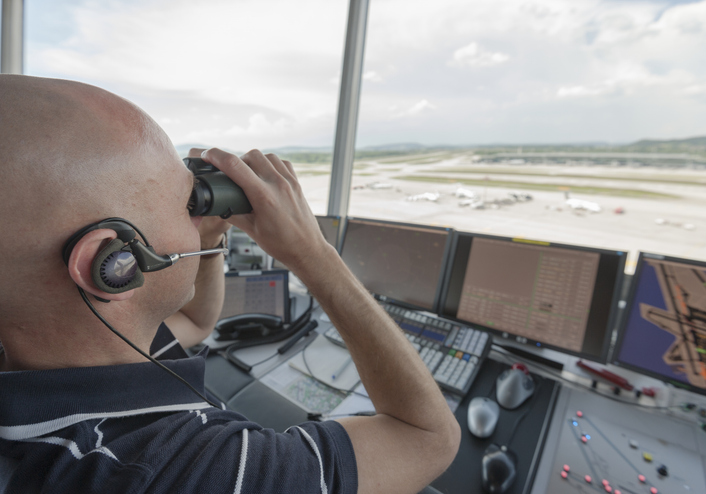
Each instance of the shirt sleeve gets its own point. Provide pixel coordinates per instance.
(310, 458)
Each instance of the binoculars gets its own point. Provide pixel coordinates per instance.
(214, 193)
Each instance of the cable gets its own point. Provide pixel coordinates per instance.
(503, 353)
(290, 332)
(265, 360)
(524, 414)
(134, 347)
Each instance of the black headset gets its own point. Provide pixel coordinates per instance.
(118, 267)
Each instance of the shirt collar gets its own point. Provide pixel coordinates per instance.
(38, 402)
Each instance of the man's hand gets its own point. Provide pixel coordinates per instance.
(211, 230)
(281, 222)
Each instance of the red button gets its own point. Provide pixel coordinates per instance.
(566, 468)
(579, 414)
(617, 492)
(564, 474)
(583, 438)
(641, 478)
(608, 488)
(605, 482)
(588, 478)
(653, 490)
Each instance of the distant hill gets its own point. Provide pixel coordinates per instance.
(692, 145)
(695, 146)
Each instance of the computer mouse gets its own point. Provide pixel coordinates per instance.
(499, 469)
(514, 386)
(483, 416)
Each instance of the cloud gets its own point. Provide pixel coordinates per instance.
(372, 76)
(270, 70)
(629, 79)
(416, 109)
(695, 89)
(260, 126)
(581, 91)
(473, 55)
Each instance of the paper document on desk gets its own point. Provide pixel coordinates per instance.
(325, 359)
(355, 403)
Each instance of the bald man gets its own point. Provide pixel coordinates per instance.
(81, 411)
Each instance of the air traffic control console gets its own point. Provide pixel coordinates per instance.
(562, 298)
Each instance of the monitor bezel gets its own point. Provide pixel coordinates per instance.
(341, 227)
(613, 314)
(444, 259)
(622, 327)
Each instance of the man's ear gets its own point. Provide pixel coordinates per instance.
(81, 263)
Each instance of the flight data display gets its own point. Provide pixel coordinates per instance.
(553, 295)
(262, 292)
(664, 333)
(404, 263)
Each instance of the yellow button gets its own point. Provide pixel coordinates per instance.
(647, 457)
(459, 354)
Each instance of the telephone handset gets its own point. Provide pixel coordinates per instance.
(245, 327)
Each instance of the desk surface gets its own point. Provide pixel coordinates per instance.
(464, 474)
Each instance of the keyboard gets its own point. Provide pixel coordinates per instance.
(452, 352)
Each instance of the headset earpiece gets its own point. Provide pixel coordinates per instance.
(115, 269)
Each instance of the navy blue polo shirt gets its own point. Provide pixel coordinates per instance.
(132, 428)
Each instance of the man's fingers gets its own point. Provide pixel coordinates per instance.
(259, 163)
(281, 167)
(235, 168)
(195, 152)
(289, 166)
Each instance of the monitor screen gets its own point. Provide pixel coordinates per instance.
(397, 262)
(559, 296)
(262, 292)
(663, 333)
(330, 228)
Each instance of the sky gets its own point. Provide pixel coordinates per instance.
(265, 73)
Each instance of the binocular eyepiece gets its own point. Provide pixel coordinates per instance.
(214, 193)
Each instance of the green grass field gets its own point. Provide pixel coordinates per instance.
(692, 180)
(603, 191)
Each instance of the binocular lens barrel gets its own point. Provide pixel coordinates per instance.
(214, 193)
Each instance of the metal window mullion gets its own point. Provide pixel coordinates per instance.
(12, 43)
(348, 103)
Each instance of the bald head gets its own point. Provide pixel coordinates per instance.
(69, 150)
(71, 154)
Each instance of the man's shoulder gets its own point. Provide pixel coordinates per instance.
(204, 450)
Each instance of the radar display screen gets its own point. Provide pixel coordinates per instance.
(552, 295)
(398, 262)
(664, 332)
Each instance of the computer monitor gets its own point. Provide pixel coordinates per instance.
(331, 227)
(263, 292)
(538, 293)
(397, 262)
(663, 333)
